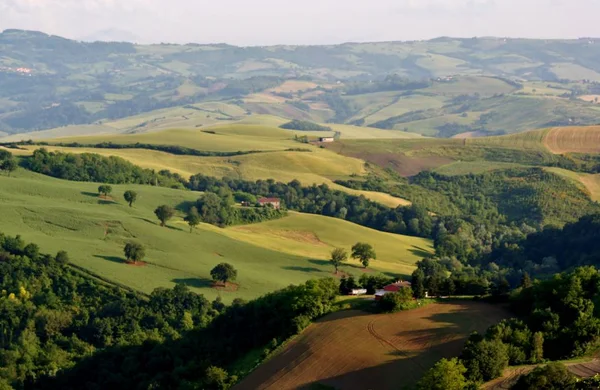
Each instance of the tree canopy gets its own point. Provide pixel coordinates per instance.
(130, 197)
(363, 252)
(164, 213)
(134, 252)
(224, 273)
(338, 256)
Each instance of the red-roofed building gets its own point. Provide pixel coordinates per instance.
(275, 202)
(392, 288)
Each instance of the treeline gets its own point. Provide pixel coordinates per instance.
(219, 209)
(552, 249)
(477, 213)
(97, 168)
(173, 149)
(558, 319)
(62, 329)
(297, 124)
(320, 199)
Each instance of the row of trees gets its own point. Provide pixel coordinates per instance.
(93, 167)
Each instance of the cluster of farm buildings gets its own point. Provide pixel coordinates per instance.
(390, 288)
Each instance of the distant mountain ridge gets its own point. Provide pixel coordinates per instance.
(48, 81)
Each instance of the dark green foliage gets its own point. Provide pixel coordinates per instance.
(62, 257)
(134, 252)
(174, 363)
(172, 149)
(52, 317)
(193, 218)
(338, 256)
(224, 273)
(104, 189)
(130, 197)
(553, 376)
(61, 329)
(304, 126)
(9, 165)
(320, 199)
(484, 359)
(445, 375)
(374, 282)
(93, 167)
(363, 252)
(418, 283)
(164, 213)
(219, 210)
(348, 284)
(397, 301)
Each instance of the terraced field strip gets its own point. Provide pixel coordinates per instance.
(584, 139)
(356, 350)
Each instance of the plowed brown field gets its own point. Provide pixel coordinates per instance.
(356, 350)
(585, 139)
(512, 374)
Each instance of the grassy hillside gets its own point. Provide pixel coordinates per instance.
(59, 214)
(315, 166)
(315, 236)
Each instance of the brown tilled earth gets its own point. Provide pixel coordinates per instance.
(512, 374)
(585, 139)
(354, 350)
(406, 166)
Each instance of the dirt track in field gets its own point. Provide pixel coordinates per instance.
(585, 139)
(356, 350)
(512, 374)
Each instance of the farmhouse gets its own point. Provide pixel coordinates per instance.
(275, 202)
(326, 139)
(391, 288)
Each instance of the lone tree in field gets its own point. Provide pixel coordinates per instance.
(164, 213)
(223, 272)
(134, 252)
(130, 197)
(363, 252)
(9, 165)
(104, 189)
(338, 256)
(193, 218)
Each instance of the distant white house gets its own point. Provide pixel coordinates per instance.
(358, 291)
(326, 139)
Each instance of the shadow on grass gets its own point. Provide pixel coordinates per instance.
(320, 262)
(114, 259)
(301, 269)
(157, 223)
(185, 206)
(194, 282)
(86, 193)
(421, 252)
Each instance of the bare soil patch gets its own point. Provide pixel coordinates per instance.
(404, 165)
(229, 287)
(356, 350)
(137, 264)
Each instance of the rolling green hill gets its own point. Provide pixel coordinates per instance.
(59, 214)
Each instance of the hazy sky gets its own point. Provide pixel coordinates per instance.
(261, 22)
